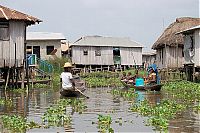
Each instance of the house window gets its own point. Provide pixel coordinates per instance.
(28, 49)
(4, 31)
(50, 49)
(85, 52)
(98, 51)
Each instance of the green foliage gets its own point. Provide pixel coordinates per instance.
(128, 95)
(58, 63)
(186, 91)
(97, 82)
(104, 122)
(56, 115)
(37, 85)
(160, 114)
(17, 123)
(6, 102)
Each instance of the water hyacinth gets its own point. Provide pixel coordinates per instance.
(17, 124)
(104, 122)
(160, 114)
(128, 95)
(187, 92)
(57, 115)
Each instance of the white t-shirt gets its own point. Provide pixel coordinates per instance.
(66, 76)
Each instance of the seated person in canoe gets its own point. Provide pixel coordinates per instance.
(66, 77)
(152, 77)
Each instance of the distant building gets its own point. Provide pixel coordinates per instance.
(106, 51)
(148, 58)
(169, 46)
(12, 36)
(192, 52)
(44, 44)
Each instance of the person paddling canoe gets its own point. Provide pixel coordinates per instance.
(66, 78)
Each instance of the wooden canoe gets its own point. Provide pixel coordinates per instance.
(79, 84)
(156, 87)
(72, 93)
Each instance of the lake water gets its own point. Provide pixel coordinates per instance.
(32, 105)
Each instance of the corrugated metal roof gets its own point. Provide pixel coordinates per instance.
(106, 41)
(10, 14)
(44, 36)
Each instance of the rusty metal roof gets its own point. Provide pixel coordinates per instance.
(10, 14)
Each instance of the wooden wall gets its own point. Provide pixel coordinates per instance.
(7, 48)
(128, 55)
(197, 48)
(187, 48)
(149, 59)
(106, 57)
(169, 57)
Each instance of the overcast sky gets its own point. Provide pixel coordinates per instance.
(141, 20)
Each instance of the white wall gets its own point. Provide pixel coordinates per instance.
(43, 45)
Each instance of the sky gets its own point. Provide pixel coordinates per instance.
(141, 20)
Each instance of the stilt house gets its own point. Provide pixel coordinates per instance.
(192, 52)
(13, 36)
(169, 46)
(98, 51)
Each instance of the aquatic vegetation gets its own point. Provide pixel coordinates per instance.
(57, 115)
(19, 90)
(6, 102)
(128, 95)
(160, 114)
(186, 91)
(104, 122)
(41, 85)
(97, 82)
(17, 124)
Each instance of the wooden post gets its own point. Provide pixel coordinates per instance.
(7, 78)
(193, 75)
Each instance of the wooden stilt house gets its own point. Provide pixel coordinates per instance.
(13, 26)
(169, 46)
(192, 53)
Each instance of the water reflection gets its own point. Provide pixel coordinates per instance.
(34, 103)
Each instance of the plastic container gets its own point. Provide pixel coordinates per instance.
(139, 82)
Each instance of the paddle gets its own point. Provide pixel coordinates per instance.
(81, 93)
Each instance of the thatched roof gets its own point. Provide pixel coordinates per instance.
(169, 36)
(10, 14)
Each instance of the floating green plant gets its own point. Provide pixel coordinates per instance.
(128, 95)
(160, 114)
(37, 85)
(56, 115)
(97, 81)
(104, 122)
(6, 102)
(17, 124)
(187, 92)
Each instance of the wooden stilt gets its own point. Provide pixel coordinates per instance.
(7, 78)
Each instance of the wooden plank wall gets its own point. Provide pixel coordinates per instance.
(106, 57)
(197, 48)
(128, 55)
(7, 48)
(170, 56)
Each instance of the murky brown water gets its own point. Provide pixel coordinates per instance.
(33, 104)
